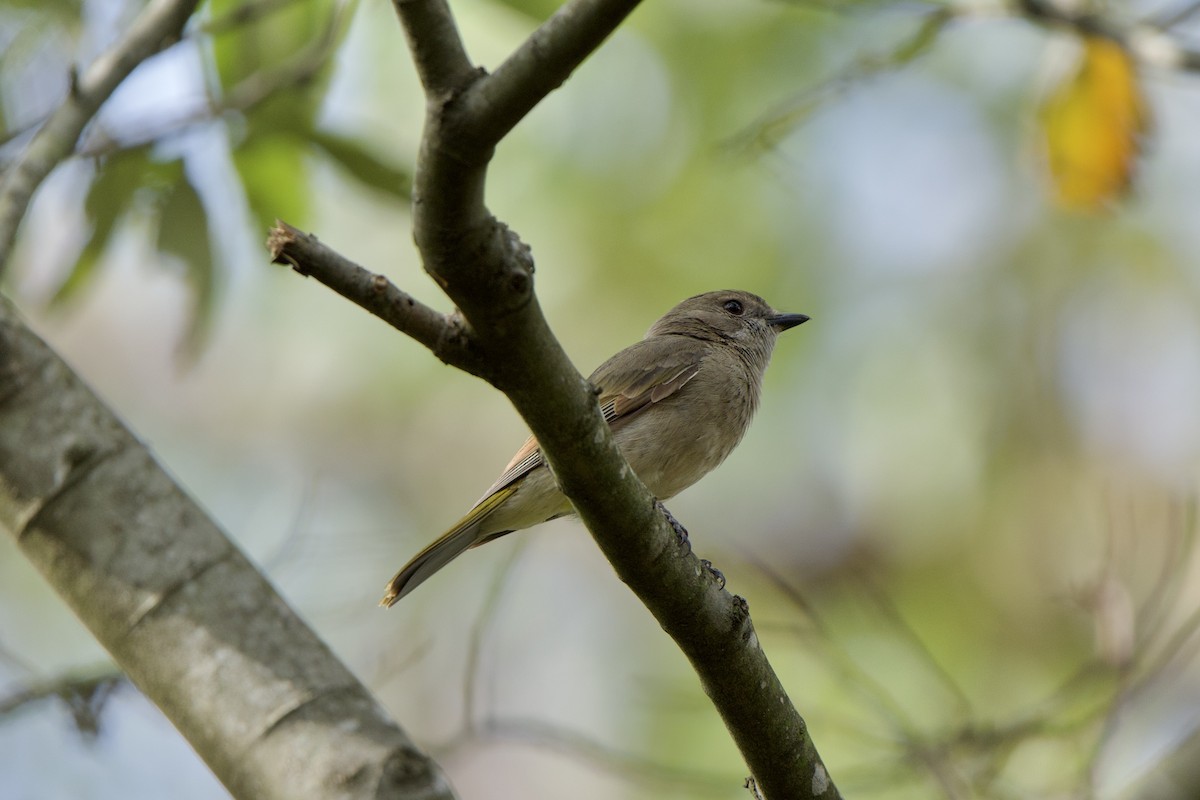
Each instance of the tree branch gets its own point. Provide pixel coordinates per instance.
(446, 336)
(184, 614)
(159, 24)
(1149, 42)
(540, 65)
(488, 272)
(83, 692)
(437, 49)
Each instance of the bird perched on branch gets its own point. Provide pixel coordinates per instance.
(678, 402)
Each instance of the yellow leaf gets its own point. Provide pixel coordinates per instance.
(1094, 123)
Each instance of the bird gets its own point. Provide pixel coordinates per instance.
(678, 402)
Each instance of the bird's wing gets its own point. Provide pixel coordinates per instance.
(626, 390)
(623, 391)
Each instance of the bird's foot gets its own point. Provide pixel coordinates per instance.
(676, 525)
(718, 576)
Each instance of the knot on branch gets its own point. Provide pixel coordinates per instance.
(518, 259)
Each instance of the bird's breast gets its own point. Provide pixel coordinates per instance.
(675, 443)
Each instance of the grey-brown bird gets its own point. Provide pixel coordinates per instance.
(678, 402)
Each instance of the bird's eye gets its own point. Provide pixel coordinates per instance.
(733, 307)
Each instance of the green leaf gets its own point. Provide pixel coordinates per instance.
(110, 198)
(183, 233)
(364, 166)
(275, 178)
(266, 43)
(61, 9)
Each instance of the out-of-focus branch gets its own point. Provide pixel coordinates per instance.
(159, 24)
(83, 692)
(181, 610)
(301, 68)
(1176, 16)
(244, 14)
(1149, 41)
(629, 766)
(250, 92)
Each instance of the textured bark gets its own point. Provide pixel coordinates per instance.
(488, 272)
(182, 611)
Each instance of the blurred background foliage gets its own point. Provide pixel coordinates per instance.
(964, 518)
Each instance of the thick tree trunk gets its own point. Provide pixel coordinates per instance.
(182, 611)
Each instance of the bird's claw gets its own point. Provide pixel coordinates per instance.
(716, 573)
(676, 525)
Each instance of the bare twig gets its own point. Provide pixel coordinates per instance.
(84, 692)
(627, 765)
(157, 26)
(248, 93)
(445, 335)
(481, 629)
(541, 64)
(436, 46)
(1146, 41)
(898, 623)
(244, 14)
(1176, 16)
(886, 706)
(765, 132)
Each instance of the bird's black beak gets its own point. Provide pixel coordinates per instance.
(782, 322)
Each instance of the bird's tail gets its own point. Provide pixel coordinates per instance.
(450, 545)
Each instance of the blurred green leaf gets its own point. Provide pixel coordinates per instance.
(109, 199)
(63, 9)
(285, 113)
(770, 129)
(275, 178)
(245, 50)
(368, 169)
(183, 233)
(537, 10)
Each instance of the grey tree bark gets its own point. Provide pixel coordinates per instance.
(187, 617)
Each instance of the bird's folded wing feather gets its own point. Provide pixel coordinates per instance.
(624, 391)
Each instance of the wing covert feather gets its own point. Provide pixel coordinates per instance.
(648, 372)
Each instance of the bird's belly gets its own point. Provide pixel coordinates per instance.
(669, 464)
(536, 500)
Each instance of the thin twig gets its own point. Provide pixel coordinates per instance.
(618, 762)
(158, 25)
(1146, 41)
(886, 607)
(1170, 19)
(83, 691)
(242, 15)
(482, 627)
(540, 65)
(445, 335)
(248, 93)
(886, 706)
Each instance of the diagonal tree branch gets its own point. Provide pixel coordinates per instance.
(1149, 41)
(446, 336)
(158, 25)
(182, 611)
(540, 65)
(436, 46)
(488, 272)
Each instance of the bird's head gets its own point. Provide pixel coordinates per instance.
(729, 316)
